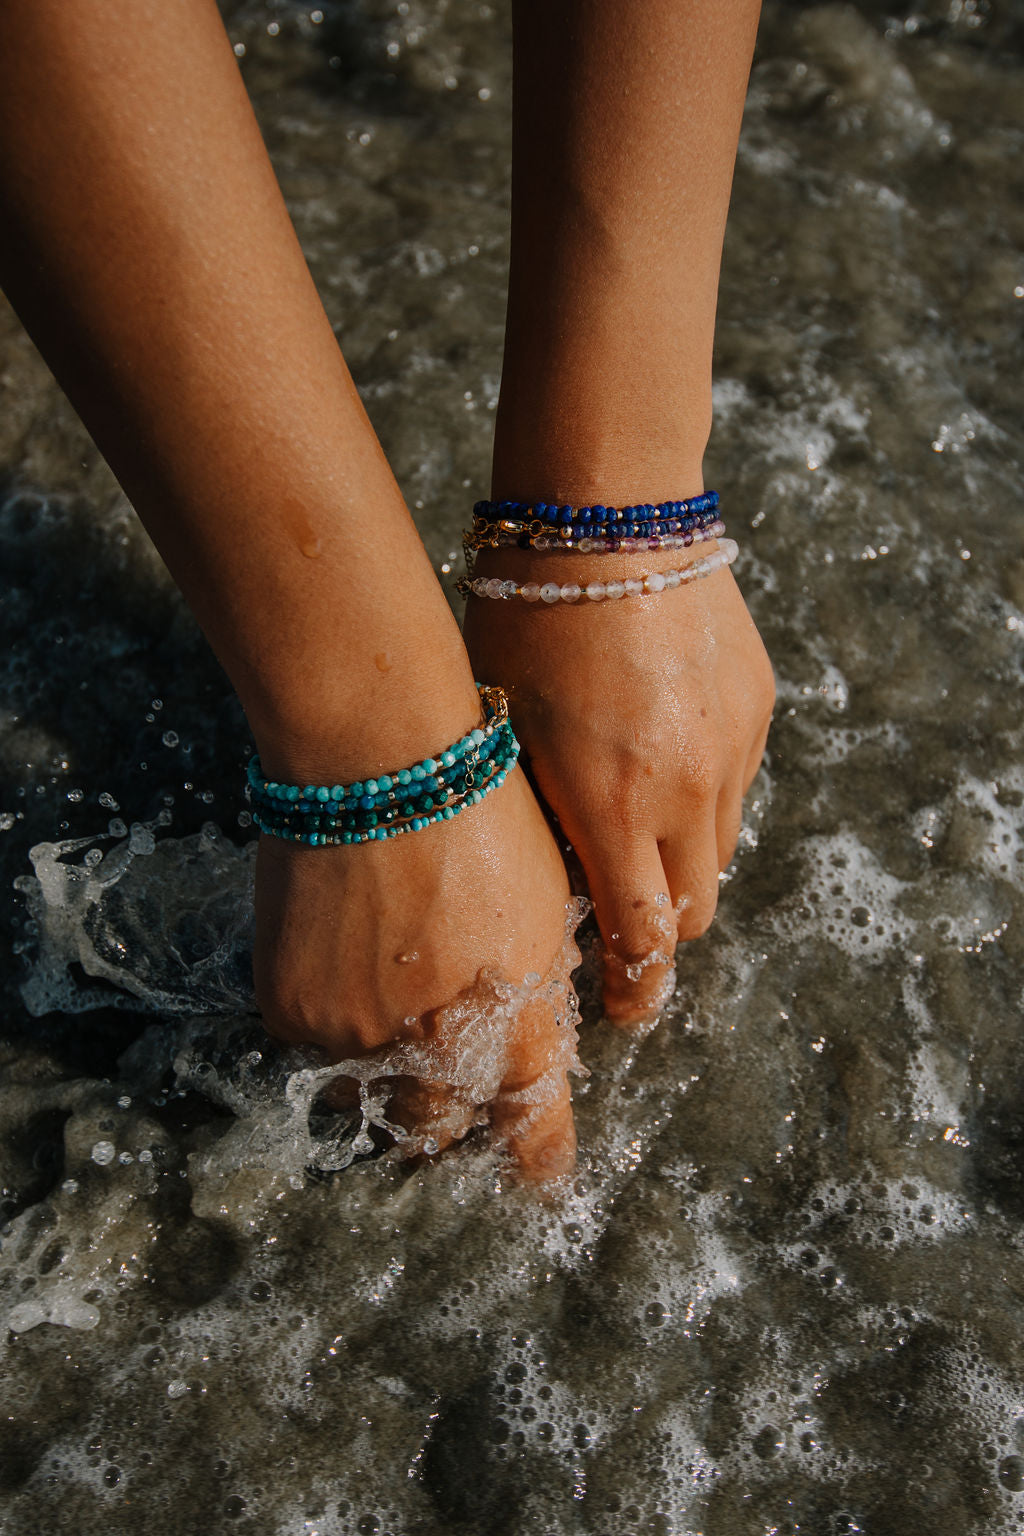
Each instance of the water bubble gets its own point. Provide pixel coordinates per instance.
(1011, 1473)
(108, 802)
(103, 1153)
(176, 1388)
(170, 738)
(768, 1442)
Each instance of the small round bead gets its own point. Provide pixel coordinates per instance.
(429, 765)
(614, 589)
(596, 591)
(571, 593)
(508, 589)
(633, 586)
(655, 582)
(550, 592)
(493, 588)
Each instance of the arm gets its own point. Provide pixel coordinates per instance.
(644, 720)
(149, 253)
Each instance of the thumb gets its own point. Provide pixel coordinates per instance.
(638, 927)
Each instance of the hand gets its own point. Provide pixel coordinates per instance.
(410, 944)
(644, 721)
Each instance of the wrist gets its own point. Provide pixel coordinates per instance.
(400, 693)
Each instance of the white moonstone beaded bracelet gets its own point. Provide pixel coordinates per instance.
(597, 591)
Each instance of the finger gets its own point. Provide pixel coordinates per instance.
(432, 1115)
(632, 906)
(532, 1113)
(728, 821)
(691, 867)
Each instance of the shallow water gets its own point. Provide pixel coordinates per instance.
(785, 1291)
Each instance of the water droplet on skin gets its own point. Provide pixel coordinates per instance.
(407, 957)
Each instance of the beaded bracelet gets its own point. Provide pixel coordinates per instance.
(592, 530)
(405, 805)
(597, 591)
(536, 518)
(507, 537)
(436, 789)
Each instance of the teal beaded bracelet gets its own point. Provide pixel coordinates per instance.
(372, 810)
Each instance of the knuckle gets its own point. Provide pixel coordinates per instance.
(703, 778)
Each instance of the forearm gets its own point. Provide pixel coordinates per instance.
(150, 254)
(626, 124)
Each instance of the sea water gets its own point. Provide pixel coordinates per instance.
(784, 1291)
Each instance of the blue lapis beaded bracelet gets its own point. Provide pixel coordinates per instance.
(548, 525)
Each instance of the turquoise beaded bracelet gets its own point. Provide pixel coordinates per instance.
(372, 810)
